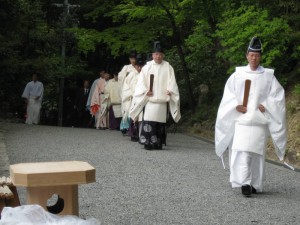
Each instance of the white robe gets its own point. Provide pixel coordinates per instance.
(246, 135)
(126, 70)
(265, 90)
(33, 92)
(112, 96)
(156, 105)
(128, 89)
(88, 103)
(123, 74)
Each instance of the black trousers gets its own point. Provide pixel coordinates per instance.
(153, 133)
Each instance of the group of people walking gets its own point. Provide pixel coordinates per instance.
(139, 99)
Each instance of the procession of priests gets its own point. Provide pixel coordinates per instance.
(139, 99)
(252, 110)
(143, 96)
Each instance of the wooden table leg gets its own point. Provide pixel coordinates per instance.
(40, 195)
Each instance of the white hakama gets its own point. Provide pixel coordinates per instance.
(33, 111)
(247, 168)
(33, 92)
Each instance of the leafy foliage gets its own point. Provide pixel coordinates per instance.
(203, 40)
(240, 25)
(297, 89)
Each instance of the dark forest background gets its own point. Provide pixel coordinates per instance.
(203, 39)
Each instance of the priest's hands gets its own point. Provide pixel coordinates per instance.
(261, 108)
(241, 109)
(149, 93)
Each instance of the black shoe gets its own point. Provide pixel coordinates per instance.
(134, 139)
(157, 147)
(124, 131)
(148, 147)
(253, 190)
(246, 190)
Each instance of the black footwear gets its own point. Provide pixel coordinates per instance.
(253, 189)
(246, 190)
(148, 147)
(134, 139)
(157, 147)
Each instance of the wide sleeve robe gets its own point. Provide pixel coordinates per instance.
(163, 82)
(274, 102)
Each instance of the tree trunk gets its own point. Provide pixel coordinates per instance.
(178, 41)
(187, 75)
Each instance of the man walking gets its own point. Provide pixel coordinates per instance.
(83, 114)
(113, 99)
(252, 107)
(156, 92)
(33, 95)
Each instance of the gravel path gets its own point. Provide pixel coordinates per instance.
(183, 184)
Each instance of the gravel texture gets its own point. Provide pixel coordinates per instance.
(183, 184)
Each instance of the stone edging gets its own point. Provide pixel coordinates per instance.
(4, 160)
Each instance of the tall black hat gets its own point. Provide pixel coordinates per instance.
(133, 54)
(255, 45)
(140, 60)
(157, 47)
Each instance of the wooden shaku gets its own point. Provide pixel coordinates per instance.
(151, 82)
(246, 92)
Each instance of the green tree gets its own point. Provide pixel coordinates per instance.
(136, 24)
(31, 42)
(240, 25)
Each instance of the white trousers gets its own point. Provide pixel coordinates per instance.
(247, 168)
(33, 111)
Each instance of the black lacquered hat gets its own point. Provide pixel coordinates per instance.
(133, 54)
(157, 47)
(255, 45)
(140, 60)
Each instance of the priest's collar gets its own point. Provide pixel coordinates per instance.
(259, 69)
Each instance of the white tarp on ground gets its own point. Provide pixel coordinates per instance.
(36, 215)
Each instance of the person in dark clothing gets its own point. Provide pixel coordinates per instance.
(83, 114)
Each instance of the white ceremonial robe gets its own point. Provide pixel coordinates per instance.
(123, 74)
(156, 105)
(88, 103)
(33, 92)
(127, 69)
(112, 94)
(128, 89)
(246, 135)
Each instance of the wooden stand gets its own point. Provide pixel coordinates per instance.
(8, 194)
(47, 178)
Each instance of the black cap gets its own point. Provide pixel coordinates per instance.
(157, 47)
(133, 54)
(255, 45)
(140, 60)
